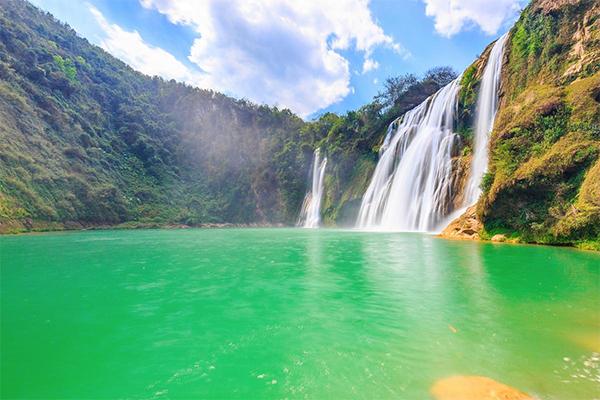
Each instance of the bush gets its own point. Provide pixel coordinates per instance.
(486, 182)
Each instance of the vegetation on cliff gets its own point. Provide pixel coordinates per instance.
(542, 184)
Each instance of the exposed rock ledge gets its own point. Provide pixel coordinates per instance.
(475, 388)
(467, 226)
(548, 6)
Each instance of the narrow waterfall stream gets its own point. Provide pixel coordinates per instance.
(487, 106)
(310, 214)
(412, 187)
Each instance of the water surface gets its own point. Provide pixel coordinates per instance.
(291, 313)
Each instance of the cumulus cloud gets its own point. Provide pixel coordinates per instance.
(452, 16)
(369, 65)
(283, 52)
(131, 48)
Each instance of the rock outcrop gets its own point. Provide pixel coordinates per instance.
(467, 226)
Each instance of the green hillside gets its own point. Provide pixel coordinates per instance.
(86, 139)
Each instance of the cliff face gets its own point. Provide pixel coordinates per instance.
(543, 184)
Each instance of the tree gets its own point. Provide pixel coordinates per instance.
(440, 75)
(394, 88)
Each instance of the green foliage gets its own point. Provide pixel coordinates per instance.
(486, 182)
(468, 88)
(67, 66)
(85, 138)
(88, 139)
(548, 129)
(523, 142)
(466, 134)
(352, 141)
(467, 98)
(593, 245)
(529, 35)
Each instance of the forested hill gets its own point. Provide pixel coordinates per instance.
(86, 140)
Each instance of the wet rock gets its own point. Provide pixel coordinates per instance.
(467, 226)
(475, 388)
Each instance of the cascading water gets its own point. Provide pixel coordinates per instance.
(310, 215)
(487, 106)
(411, 188)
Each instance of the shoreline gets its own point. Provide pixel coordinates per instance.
(575, 246)
(15, 227)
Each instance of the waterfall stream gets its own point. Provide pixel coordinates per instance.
(487, 106)
(310, 214)
(412, 188)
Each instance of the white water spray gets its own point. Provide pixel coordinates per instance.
(487, 106)
(310, 215)
(411, 188)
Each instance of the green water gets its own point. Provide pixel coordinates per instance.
(289, 313)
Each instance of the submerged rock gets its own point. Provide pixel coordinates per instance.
(475, 388)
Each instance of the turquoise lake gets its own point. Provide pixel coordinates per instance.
(291, 313)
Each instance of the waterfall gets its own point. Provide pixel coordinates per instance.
(411, 188)
(310, 215)
(487, 105)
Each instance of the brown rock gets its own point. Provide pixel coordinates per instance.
(475, 388)
(547, 6)
(467, 226)
(498, 238)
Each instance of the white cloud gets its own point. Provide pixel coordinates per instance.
(369, 65)
(452, 16)
(284, 52)
(131, 48)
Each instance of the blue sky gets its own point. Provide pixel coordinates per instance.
(311, 56)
